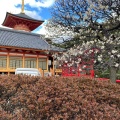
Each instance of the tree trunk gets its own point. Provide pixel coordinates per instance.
(113, 74)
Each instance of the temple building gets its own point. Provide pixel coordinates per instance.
(20, 48)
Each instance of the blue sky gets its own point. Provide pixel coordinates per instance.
(38, 9)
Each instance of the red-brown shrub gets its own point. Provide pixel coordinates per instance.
(58, 98)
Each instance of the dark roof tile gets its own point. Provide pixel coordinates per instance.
(13, 38)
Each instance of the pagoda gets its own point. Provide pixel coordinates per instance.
(20, 48)
(21, 21)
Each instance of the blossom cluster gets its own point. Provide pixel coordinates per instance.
(101, 51)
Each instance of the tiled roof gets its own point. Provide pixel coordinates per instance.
(22, 39)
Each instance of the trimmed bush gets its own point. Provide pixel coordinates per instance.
(105, 75)
(58, 98)
(118, 76)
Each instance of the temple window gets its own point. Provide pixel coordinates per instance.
(15, 62)
(42, 63)
(3, 61)
(30, 63)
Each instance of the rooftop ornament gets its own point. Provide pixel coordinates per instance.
(22, 8)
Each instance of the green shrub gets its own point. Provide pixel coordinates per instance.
(105, 75)
(118, 76)
(58, 98)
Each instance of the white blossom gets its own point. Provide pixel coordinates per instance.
(66, 61)
(112, 56)
(118, 55)
(116, 65)
(80, 69)
(102, 47)
(99, 59)
(114, 51)
(84, 66)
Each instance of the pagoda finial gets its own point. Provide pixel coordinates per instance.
(22, 9)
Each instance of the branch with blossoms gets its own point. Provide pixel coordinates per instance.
(93, 52)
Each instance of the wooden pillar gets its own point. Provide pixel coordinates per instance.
(8, 61)
(53, 68)
(47, 64)
(23, 61)
(37, 62)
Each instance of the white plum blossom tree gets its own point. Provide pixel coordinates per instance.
(98, 25)
(55, 31)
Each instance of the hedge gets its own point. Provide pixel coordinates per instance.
(58, 98)
(107, 75)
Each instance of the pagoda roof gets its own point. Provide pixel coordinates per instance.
(23, 17)
(22, 39)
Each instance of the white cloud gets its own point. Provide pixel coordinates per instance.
(33, 14)
(40, 3)
(47, 3)
(9, 6)
(42, 30)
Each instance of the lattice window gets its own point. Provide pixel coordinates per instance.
(3, 62)
(15, 62)
(30, 63)
(42, 63)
